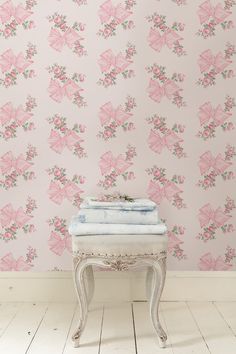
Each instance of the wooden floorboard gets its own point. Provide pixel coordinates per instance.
(118, 328)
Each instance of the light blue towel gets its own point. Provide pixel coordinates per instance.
(78, 228)
(137, 204)
(116, 216)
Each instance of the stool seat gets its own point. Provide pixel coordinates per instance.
(119, 245)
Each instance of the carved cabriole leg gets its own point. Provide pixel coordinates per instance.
(90, 282)
(149, 281)
(159, 273)
(79, 270)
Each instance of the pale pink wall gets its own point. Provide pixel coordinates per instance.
(157, 91)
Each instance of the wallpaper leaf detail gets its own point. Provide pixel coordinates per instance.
(13, 168)
(211, 66)
(161, 86)
(62, 35)
(114, 166)
(111, 118)
(175, 243)
(162, 137)
(15, 65)
(113, 65)
(211, 220)
(61, 86)
(62, 137)
(211, 167)
(12, 17)
(14, 118)
(112, 17)
(161, 35)
(211, 17)
(62, 188)
(213, 117)
(160, 187)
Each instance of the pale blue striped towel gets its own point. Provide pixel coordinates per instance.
(137, 204)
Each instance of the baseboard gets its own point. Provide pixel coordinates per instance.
(59, 287)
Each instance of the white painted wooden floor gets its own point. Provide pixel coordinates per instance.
(41, 328)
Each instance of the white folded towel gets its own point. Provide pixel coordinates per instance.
(136, 204)
(118, 216)
(78, 228)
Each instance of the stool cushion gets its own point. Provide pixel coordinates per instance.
(119, 244)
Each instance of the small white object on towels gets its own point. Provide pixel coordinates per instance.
(118, 216)
(78, 228)
(137, 204)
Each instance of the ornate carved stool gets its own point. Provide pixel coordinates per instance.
(119, 253)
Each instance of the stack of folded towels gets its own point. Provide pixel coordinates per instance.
(133, 216)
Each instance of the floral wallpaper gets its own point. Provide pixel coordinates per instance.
(114, 95)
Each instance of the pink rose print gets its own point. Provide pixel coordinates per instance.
(112, 17)
(112, 118)
(12, 17)
(211, 65)
(174, 243)
(13, 220)
(211, 167)
(211, 220)
(61, 86)
(13, 168)
(62, 35)
(161, 188)
(13, 118)
(208, 262)
(112, 167)
(113, 65)
(162, 137)
(62, 137)
(62, 188)
(12, 66)
(230, 254)
(9, 263)
(212, 16)
(213, 117)
(161, 35)
(169, 87)
(59, 239)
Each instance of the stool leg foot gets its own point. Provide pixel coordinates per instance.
(82, 301)
(159, 272)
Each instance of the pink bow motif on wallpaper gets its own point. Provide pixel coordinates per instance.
(207, 112)
(8, 215)
(208, 60)
(157, 193)
(57, 193)
(58, 92)
(207, 11)
(107, 11)
(208, 262)
(157, 143)
(8, 263)
(58, 142)
(18, 115)
(108, 60)
(173, 242)
(157, 41)
(207, 214)
(8, 163)
(8, 60)
(58, 245)
(157, 92)
(108, 162)
(208, 161)
(8, 10)
(58, 40)
(108, 112)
